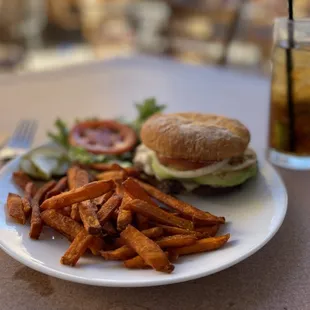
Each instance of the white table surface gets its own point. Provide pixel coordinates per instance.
(277, 277)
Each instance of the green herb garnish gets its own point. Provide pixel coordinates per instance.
(61, 137)
(145, 110)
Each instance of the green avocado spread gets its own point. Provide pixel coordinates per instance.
(217, 179)
(226, 179)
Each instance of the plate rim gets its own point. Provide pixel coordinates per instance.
(148, 283)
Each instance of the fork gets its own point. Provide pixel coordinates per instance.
(20, 141)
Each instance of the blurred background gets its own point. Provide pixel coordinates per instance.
(40, 35)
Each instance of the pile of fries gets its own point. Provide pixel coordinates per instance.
(118, 217)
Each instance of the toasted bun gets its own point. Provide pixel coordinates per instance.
(195, 137)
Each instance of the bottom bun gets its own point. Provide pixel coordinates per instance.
(175, 187)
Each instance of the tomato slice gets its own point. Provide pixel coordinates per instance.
(182, 164)
(103, 137)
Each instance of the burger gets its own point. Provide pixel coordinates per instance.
(201, 153)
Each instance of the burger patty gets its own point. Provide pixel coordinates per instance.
(207, 190)
(175, 187)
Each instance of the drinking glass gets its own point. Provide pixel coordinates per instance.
(289, 119)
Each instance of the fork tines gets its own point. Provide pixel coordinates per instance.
(23, 134)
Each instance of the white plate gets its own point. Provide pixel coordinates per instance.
(254, 215)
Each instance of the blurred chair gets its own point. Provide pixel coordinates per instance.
(34, 23)
(12, 14)
(202, 31)
(64, 13)
(106, 26)
(150, 21)
(64, 22)
(256, 27)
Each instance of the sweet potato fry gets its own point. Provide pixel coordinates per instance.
(128, 171)
(99, 201)
(131, 171)
(36, 223)
(136, 262)
(142, 222)
(126, 252)
(152, 233)
(173, 212)
(69, 228)
(135, 191)
(75, 212)
(119, 188)
(159, 215)
(26, 207)
(65, 211)
(124, 215)
(97, 245)
(15, 208)
(184, 208)
(200, 232)
(82, 178)
(116, 166)
(207, 231)
(203, 245)
(109, 228)
(86, 192)
(112, 175)
(60, 187)
(220, 220)
(41, 192)
(147, 249)
(115, 214)
(30, 188)
(173, 257)
(21, 179)
(123, 219)
(61, 223)
(170, 230)
(88, 214)
(26, 200)
(77, 177)
(122, 253)
(71, 174)
(176, 241)
(106, 211)
(77, 248)
(117, 243)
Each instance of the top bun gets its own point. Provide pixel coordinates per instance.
(194, 136)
